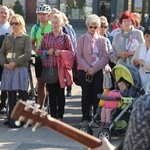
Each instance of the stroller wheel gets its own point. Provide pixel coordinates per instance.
(104, 133)
(84, 129)
(87, 130)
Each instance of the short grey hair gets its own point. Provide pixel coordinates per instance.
(93, 19)
(4, 8)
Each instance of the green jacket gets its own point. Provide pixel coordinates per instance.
(18, 49)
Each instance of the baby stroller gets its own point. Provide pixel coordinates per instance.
(119, 116)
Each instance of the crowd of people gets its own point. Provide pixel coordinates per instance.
(56, 47)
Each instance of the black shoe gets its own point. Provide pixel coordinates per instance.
(68, 94)
(6, 122)
(13, 125)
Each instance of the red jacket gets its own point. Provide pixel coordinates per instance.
(65, 64)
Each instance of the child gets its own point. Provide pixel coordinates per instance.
(123, 90)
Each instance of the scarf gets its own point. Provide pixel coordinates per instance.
(127, 39)
(91, 40)
(92, 47)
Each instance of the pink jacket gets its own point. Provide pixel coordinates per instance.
(112, 104)
(84, 53)
(65, 64)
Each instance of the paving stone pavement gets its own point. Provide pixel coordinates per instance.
(45, 138)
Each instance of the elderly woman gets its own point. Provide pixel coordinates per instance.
(91, 57)
(56, 50)
(141, 57)
(126, 41)
(14, 56)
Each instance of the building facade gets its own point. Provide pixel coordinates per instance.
(78, 10)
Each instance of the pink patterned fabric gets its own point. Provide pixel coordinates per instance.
(112, 104)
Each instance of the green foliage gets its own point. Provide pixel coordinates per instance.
(18, 9)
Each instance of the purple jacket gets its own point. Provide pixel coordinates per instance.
(84, 52)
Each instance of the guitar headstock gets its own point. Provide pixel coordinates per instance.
(31, 115)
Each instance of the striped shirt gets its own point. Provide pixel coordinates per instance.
(49, 41)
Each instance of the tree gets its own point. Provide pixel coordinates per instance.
(18, 9)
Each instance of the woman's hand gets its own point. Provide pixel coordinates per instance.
(50, 51)
(90, 71)
(106, 145)
(135, 62)
(141, 62)
(107, 69)
(10, 66)
(122, 54)
(130, 53)
(57, 52)
(138, 62)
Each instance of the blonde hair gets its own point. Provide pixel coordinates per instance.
(56, 11)
(137, 16)
(59, 17)
(11, 13)
(93, 19)
(104, 20)
(66, 21)
(20, 19)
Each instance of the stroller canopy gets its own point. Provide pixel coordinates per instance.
(129, 73)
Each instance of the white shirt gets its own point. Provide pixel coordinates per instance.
(5, 28)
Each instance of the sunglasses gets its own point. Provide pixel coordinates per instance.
(92, 27)
(104, 27)
(14, 23)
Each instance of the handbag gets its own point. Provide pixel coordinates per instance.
(107, 81)
(76, 78)
(49, 75)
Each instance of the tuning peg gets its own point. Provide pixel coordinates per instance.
(43, 114)
(36, 126)
(27, 108)
(28, 123)
(29, 102)
(18, 122)
(37, 106)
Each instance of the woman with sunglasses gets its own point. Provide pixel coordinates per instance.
(103, 31)
(14, 56)
(91, 57)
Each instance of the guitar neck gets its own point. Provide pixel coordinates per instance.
(73, 133)
(22, 110)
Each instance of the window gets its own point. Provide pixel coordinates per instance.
(76, 9)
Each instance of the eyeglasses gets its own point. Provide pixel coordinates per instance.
(104, 27)
(14, 23)
(92, 27)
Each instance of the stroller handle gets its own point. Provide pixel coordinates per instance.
(109, 98)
